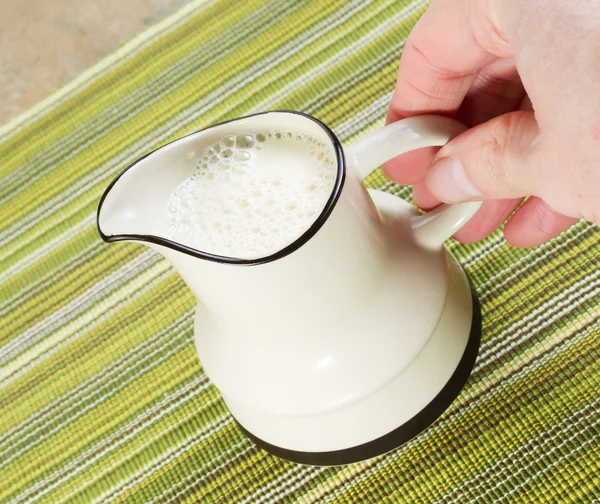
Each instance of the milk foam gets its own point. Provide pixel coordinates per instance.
(253, 194)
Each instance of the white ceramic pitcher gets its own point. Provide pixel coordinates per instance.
(345, 343)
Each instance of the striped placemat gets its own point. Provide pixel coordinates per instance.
(102, 395)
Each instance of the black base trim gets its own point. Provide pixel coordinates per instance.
(405, 432)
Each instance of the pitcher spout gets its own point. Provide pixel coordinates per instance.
(132, 206)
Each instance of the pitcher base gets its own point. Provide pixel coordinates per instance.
(403, 433)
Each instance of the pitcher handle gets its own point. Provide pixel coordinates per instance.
(434, 228)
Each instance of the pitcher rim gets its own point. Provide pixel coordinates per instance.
(288, 249)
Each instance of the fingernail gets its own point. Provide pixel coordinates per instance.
(448, 181)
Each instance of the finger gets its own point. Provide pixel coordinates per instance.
(487, 219)
(423, 198)
(496, 90)
(491, 214)
(437, 71)
(411, 167)
(494, 160)
(449, 44)
(535, 223)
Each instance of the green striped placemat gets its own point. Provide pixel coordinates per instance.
(102, 396)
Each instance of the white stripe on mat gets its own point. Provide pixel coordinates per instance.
(228, 457)
(538, 319)
(75, 307)
(527, 479)
(532, 258)
(47, 279)
(165, 458)
(48, 247)
(84, 324)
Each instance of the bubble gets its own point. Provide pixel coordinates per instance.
(278, 135)
(244, 141)
(320, 155)
(298, 138)
(228, 141)
(288, 134)
(227, 153)
(240, 168)
(191, 155)
(224, 165)
(217, 148)
(243, 155)
(209, 151)
(214, 159)
(260, 137)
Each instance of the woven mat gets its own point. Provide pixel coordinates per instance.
(102, 395)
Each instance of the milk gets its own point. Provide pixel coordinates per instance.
(251, 195)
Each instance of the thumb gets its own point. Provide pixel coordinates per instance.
(489, 161)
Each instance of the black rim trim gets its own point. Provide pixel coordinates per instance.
(405, 432)
(307, 235)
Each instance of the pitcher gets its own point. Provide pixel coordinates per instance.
(331, 318)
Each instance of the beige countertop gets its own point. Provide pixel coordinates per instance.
(46, 43)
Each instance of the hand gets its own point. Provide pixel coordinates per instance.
(524, 75)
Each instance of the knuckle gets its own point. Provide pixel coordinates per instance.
(426, 61)
(487, 33)
(498, 151)
(493, 149)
